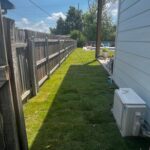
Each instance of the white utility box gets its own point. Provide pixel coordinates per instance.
(128, 111)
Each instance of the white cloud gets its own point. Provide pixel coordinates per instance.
(114, 12)
(41, 26)
(25, 21)
(56, 16)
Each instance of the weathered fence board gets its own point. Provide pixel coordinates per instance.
(7, 114)
(32, 65)
(9, 29)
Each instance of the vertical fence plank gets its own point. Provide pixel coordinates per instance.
(32, 66)
(47, 57)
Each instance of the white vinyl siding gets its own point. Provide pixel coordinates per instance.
(132, 62)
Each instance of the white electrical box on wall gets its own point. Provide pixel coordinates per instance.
(128, 111)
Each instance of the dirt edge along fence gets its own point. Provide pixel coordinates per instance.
(35, 56)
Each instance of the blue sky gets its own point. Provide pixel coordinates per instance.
(29, 16)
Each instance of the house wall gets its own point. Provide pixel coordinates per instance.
(132, 62)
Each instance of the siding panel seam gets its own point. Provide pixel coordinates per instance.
(129, 6)
(140, 56)
(132, 29)
(134, 16)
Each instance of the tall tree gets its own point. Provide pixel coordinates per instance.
(89, 25)
(72, 22)
(108, 28)
(60, 28)
(74, 19)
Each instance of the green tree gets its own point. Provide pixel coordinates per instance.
(72, 22)
(108, 28)
(89, 26)
(60, 28)
(87, 22)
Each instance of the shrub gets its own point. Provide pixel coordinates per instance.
(77, 35)
(105, 50)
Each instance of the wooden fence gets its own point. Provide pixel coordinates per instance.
(27, 59)
(35, 56)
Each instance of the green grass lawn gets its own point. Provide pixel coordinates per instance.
(72, 111)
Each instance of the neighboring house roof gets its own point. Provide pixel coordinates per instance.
(5, 4)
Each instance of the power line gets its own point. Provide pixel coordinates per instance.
(36, 5)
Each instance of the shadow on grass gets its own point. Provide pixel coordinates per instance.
(80, 117)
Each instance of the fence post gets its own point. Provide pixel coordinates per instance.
(47, 57)
(6, 99)
(59, 52)
(32, 65)
(68, 50)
